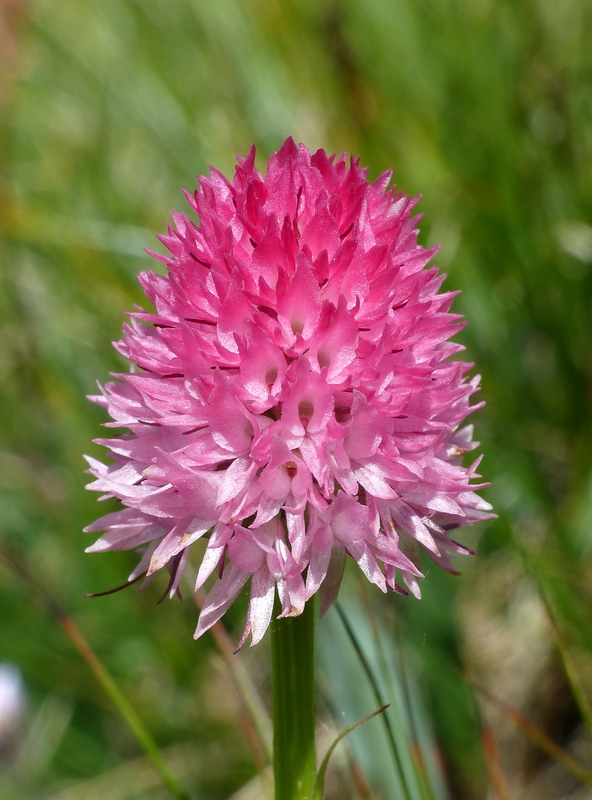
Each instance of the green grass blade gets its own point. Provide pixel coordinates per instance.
(110, 687)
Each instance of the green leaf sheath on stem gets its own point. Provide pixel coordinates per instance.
(293, 685)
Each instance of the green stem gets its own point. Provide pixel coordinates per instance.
(292, 655)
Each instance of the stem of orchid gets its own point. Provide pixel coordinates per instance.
(292, 654)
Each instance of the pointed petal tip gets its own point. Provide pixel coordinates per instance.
(99, 546)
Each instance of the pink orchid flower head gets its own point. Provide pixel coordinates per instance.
(294, 399)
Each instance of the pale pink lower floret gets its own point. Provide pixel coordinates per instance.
(296, 401)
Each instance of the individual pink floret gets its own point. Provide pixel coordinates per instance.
(295, 401)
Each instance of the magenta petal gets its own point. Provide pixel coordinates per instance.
(367, 563)
(317, 571)
(350, 519)
(299, 302)
(245, 550)
(373, 479)
(335, 346)
(220, 598)
(236, 477)
(179, 538)
(261, 604)
(125, 530)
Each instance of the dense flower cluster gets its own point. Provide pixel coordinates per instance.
(296, 402)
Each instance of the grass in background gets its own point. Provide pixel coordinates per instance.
(105, 111)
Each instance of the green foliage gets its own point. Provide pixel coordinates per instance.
(106, 109)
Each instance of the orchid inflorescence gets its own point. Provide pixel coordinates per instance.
(296, 401)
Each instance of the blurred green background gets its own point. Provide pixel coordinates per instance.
(106, 110)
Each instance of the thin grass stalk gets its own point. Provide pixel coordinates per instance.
(320, 779)
(124, 707)
(417, 752)
(119, 700)
(569, 667)
(242, 681)
(571, 672)
(497, 779)
(539, 738)
(379, 699)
